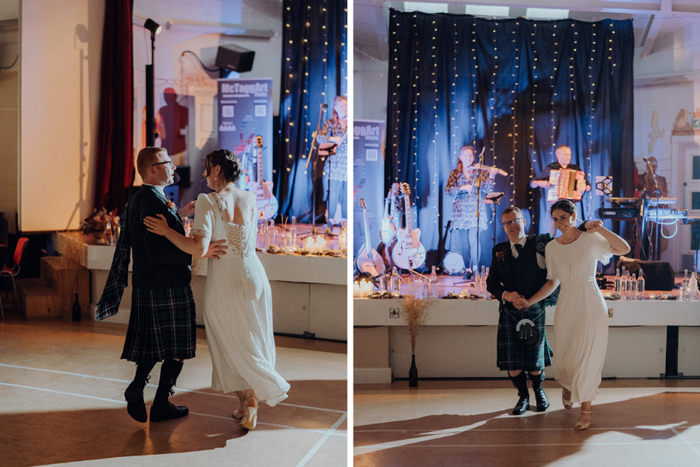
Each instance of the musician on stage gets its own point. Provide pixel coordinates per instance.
(336, 171)
(462, 184)
(646, 181)
(563, 153)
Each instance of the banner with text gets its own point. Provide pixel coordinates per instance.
(245, 112)
(368, 180)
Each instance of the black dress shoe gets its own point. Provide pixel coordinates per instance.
(135, 405)
(520, 408)
(541, 399)
(161, 413)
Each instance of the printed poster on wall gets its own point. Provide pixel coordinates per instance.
(245, 112)
(368, 179)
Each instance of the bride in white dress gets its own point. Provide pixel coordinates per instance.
(581, 316)
(237, 300)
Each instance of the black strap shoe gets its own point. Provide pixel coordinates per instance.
(540, 396)
(522, 406)
(170, 411)
(520, 383)
(135, 405)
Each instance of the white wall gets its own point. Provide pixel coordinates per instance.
(9, 111)
(61, 42)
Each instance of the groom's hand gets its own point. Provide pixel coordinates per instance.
(512, 296)
(216, 249)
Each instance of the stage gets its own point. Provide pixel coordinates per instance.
(647, 338)
(308, 291)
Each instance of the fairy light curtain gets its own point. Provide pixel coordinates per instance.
(314, 71)
(516, 88)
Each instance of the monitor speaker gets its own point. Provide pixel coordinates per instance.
(234, 58)
(658, 275)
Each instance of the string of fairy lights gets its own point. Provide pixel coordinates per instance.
(592, 107)
(532, 116)
(395, 149)
(513, 109)
(453, 103)
(436, 132)
(416, 62)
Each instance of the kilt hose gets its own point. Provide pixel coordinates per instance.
(162, 325)
(512, 355)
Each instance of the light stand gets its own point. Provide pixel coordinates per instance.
(155, 28)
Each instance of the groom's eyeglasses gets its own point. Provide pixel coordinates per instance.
(164, 163)
(508, 223)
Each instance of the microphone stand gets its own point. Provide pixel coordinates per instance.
(656, 193)
(478, 202)
(313, 169)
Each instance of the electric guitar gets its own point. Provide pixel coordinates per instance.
(388, 229)
(407, 251)
(368, 260)
(264, 199)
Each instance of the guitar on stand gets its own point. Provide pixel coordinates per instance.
(407, 252)
(389, 227)
(266, 202)
(368, 260)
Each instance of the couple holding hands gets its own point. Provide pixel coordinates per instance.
(525, 273)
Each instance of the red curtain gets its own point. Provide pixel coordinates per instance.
(115, 162)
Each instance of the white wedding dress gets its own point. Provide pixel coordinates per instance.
(238, 306)
(581, 316)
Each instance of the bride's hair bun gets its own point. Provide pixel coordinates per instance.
(230, 166)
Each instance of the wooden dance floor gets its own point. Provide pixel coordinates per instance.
(636, 422)
(61, 400)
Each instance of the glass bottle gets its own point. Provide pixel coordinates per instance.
(633, 287)
(684, 283)
(293, 232)
(640, 286)
(433, 284)
(395, 282)
(693, 286)
(623, 286)
(618, 280)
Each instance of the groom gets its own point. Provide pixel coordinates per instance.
(162, 325)
(518, 270)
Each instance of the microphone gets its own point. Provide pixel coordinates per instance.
(645, 159)
(324, 106)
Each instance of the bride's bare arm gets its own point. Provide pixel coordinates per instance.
(544, 292)
(196, 246)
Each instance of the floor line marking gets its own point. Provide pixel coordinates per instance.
(587, 443)
(321, 441)
(270, 424)
(64, 393)
(430, 436)
(356, 430)
(680, 435)
(155, 386)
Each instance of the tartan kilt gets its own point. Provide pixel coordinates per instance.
(512, 355)
(162, 325)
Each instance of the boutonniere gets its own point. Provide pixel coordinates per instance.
(501, 255)
(171, 206)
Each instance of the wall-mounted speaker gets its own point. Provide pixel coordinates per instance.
(234, 58)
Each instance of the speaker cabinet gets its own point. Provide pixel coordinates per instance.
(234, 58)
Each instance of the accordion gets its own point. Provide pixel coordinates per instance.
(567, 184)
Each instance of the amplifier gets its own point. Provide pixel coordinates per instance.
(618, 214)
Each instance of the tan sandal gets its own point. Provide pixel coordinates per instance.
(580, 426)
(568, 405)
(250, 417)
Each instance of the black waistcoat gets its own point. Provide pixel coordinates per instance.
(527, 276)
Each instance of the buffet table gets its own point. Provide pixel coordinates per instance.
(458, 339)
(308, 292)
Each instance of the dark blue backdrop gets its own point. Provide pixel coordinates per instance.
(314, 71)
(517, 88)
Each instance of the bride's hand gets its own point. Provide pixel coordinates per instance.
(594, 226)
(157, 225)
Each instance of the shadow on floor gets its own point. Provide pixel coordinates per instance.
(496, 438)
(40, 438)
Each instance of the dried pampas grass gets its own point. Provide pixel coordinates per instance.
(72, 254)
(415, 313)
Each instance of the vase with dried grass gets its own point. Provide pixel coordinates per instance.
(415, 313)
(71, 251)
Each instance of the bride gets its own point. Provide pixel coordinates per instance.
(237, 300)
